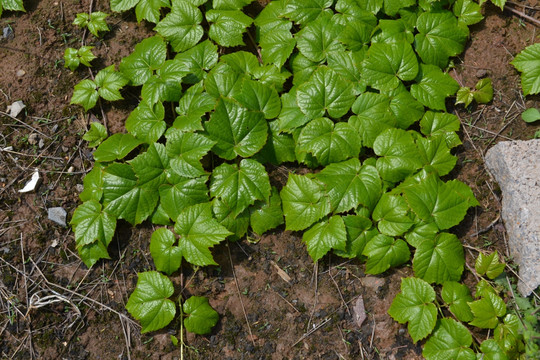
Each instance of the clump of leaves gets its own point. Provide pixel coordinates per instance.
(357, 90)
(13, 5)
(482, 93)
(450, 337)
(73, 57)
(94, 22)
(528, 63)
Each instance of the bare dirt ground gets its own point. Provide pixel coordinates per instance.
(274, 303)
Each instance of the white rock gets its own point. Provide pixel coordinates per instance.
(516, 167)
(16, 108)
(57, 215)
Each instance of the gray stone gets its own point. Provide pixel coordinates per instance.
(57, 215)
(516, 167)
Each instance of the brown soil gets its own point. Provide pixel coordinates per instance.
(295, 309)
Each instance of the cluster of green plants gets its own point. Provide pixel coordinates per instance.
(354, 90)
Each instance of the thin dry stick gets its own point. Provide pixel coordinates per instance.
(240, 296)
(24, 124)
(315, 328)
(29, 322)
(125, 329)
(523, 15)
(339, 292)
(84, 297)
(287, 301)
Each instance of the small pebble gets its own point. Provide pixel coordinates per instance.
(79, 188)
(21, 73)
(57, 215)
(7, 33)
(41, 143)
(482, 73)
(33, 139)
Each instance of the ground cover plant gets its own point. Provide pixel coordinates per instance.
(356, 91)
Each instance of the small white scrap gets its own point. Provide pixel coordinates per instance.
(15, 108)
(359, 311)
(31, 185)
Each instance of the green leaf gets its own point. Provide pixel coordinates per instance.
(96, 134)
(439, 37)
(167, 257)
(467, 11)
(186, 151)
(392, 214)
(93, 184)
(146, 122)
(484, 91)
(85, 94)
(399, 156)
(391, 7)
(450, 340)
(406, 109)
(528, 63)
(305, 11)
(302, 68)
(291, 117)
(224, 214)
(227, 26)
(509, 336)
(236, 130)
(393, 31)
(224, 82)
(329, 142)
(435, 152)
(201, 317)
(241, 62)
(439, 123)
(14, 5)
(303, 202)
(277, 46)
(445, 203)
(530, 115)
(374, 115)
(149, 301)
(349, 185)
(279, 147)
(95, 22)
(116, 147)
(267, 215)
(499, 3)
(420, 232)
(181, 27)
(151, 167)
(148, 56)
(464, 96)
(240, 186)
(457, 296)
(384, 252)
(71, 59)
(259, 97)
(348, 65)
(491, 350)
(192, 107)
(387, 64)
(92, 253)
(181, 193)
(489, 265)
(325, 92)
(198, 232)
(440, 259)
(487, 310)
(319, 38)
(325, 235)
(433, 86)
(123, 198)
(198, 60)
(230, 5)
(415, 305)
(92, 224)
(359, 232)
(109, 83)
